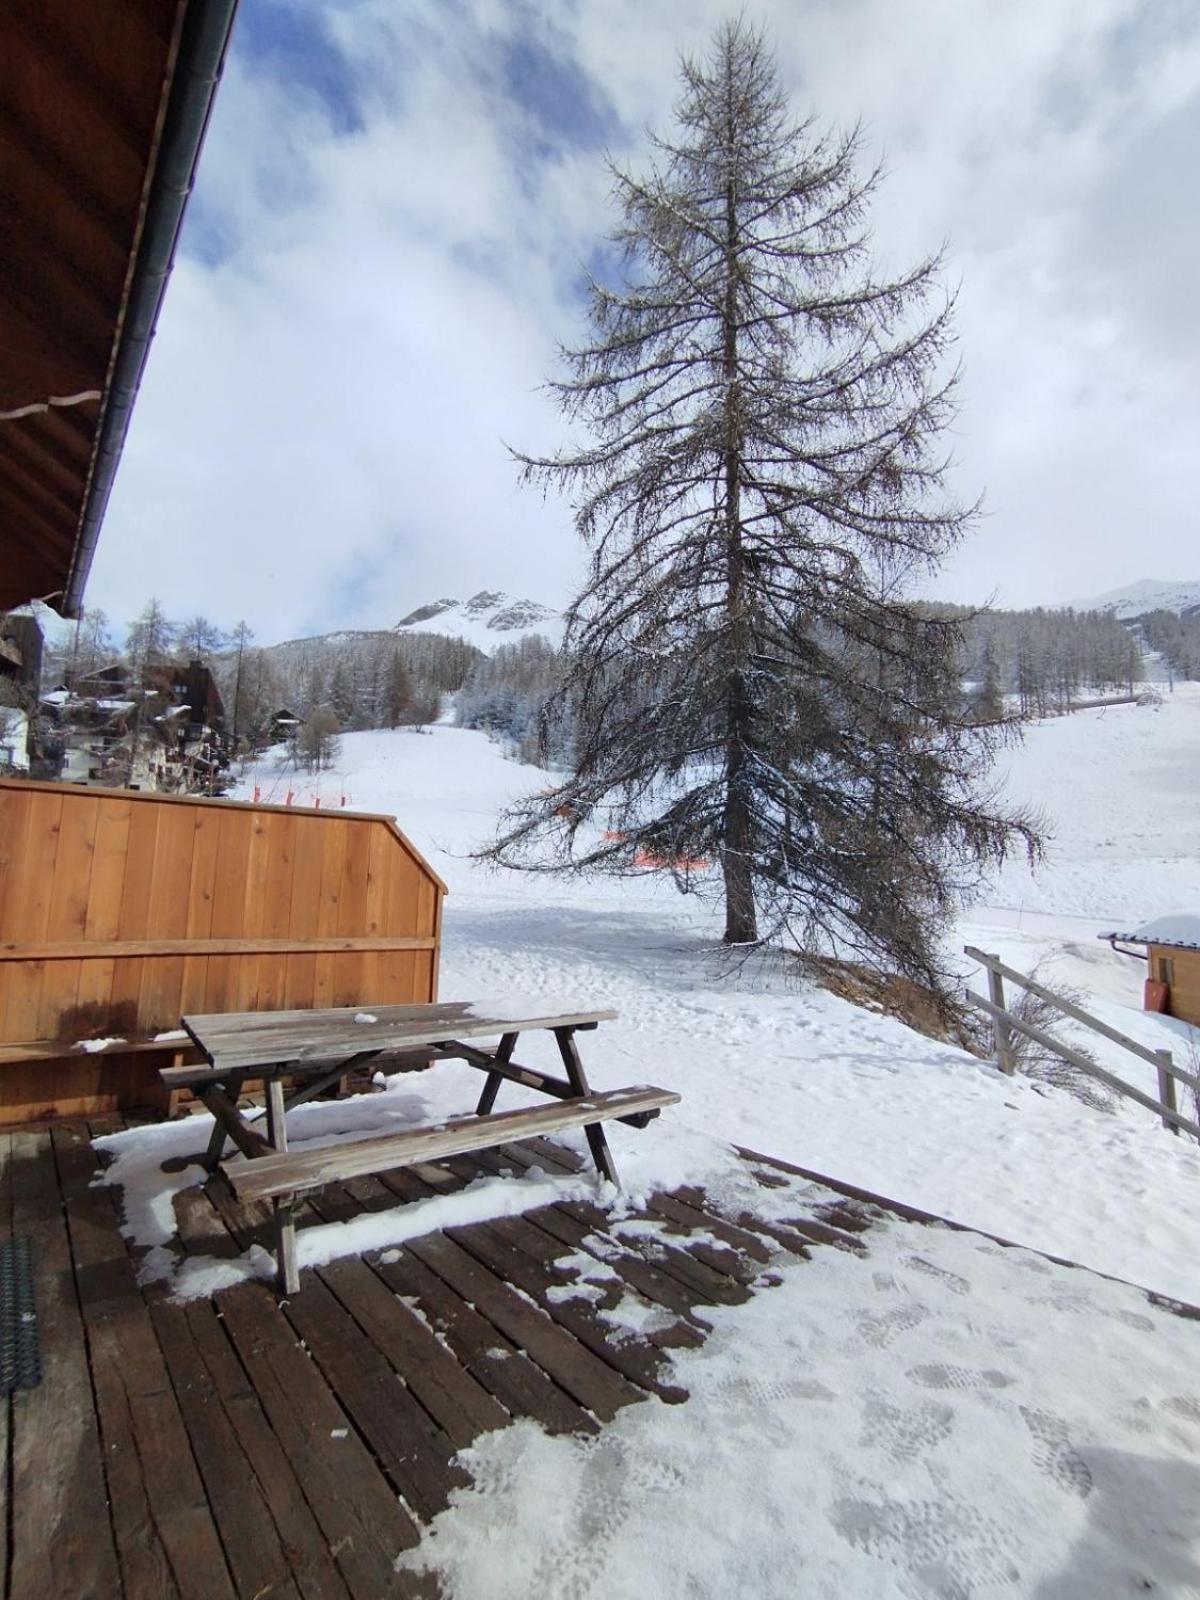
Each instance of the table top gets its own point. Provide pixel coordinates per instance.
(238, 1040)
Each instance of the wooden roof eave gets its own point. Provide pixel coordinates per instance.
(198, 61)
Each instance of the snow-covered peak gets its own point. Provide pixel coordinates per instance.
(487, 619)
(1149, 594)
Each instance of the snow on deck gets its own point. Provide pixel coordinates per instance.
(946, 1418)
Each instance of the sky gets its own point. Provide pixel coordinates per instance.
(393, 221)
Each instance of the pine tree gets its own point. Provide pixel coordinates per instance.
(240, 639)
(150, 639)
(316, 742)
(200, 639)
(399, 694)
(989, 701)
(764, 412)
(341, 694)
(91, 645)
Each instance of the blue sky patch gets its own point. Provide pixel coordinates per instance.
(290, 43)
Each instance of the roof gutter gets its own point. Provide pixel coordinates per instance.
(203, 43)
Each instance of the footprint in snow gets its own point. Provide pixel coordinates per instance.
(951, 1280)
(883, 1329)
(903, 1434)
(759, 1389)
(1055, 1455)
(950, 1547)
(1183, 1405)
(933, 1375)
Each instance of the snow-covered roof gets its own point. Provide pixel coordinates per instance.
(1179, 928)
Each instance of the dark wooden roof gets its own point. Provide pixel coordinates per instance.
(103, 106)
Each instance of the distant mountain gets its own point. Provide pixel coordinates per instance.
(485, 620)
(1150, 594)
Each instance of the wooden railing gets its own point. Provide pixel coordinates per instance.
(1005, 1022)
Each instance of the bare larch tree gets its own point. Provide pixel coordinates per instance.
(761, 414)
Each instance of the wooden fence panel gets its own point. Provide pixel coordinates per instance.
(121, 911)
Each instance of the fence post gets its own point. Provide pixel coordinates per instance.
(1005, 1054)
(1166, 1087)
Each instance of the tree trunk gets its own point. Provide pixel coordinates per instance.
(741, 921)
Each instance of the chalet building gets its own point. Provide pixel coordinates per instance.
(284, 725)
(165, 733)
(20, 660)
(1172, 956)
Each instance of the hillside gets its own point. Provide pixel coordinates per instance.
(1150, 594)
(487, 619)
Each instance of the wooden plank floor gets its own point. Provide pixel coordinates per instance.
(237, 1446)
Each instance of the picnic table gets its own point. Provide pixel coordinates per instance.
(299, 1054)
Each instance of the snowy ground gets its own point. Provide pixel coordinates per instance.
(802, 1075)
(944, 1418)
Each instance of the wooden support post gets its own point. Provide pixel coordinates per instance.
(1005, 1054)
(508, 1043)
(597, 1143)
(284, 1209)
(220, 1105)
(276, 1115)
(1166, 1087)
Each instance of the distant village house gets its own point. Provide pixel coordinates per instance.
(1172, 946)
(163, 731)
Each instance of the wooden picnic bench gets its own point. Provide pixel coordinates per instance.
(298, 1054)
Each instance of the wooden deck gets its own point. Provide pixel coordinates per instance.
(240, 1447)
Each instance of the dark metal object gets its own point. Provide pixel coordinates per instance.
(20, 1355)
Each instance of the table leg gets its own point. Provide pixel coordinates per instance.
(276, 1115)
(508, 1043)
(284, 1210)
(216, 1144)
(597, 1143)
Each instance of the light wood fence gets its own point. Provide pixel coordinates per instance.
(121, 911)
(1005, 1022)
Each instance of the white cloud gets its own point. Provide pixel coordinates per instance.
(319, 441)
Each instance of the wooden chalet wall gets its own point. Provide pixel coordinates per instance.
(121, 911)
(1179, 968)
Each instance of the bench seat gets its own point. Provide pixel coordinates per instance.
(275, 1176)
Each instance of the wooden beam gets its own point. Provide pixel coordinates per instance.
(66, 1050)
(227, 1116)
(497, 1070)
(594, 1133)
(118, 949)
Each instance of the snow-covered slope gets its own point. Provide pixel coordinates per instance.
(1150, 594)
(487, 619)
(1117, 787)
(800, 1074)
